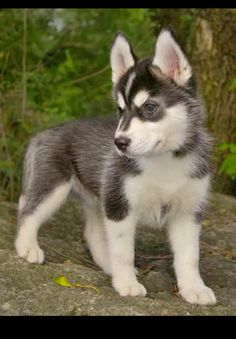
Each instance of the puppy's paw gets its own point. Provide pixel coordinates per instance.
(199, 295)
(31, 252)
(129, 288)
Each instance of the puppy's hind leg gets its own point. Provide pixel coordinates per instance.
(95, 237)
(46, 184)
(31, 216)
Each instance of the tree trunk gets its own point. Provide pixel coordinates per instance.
(211, 47)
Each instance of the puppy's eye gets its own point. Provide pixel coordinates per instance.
(151, 110)
(150, 106)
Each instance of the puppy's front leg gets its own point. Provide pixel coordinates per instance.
(121, 248)
(184, 237)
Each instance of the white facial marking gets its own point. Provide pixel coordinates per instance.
(142, 134)
(129, 83)
(177, 125)
(163, 135)
(140, 98)
(120, 100)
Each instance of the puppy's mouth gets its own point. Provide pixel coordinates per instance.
(120, 153)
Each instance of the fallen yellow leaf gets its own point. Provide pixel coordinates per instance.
(62, 281)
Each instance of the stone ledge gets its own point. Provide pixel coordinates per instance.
(28, 289)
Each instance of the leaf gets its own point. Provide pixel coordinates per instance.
(223, 147)
(232, 148)
(88, 286)
(229, 165)
(69, 61)
(62, 281)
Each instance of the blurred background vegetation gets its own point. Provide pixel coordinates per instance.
(54, 67)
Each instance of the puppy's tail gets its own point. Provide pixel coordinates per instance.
(29, 165)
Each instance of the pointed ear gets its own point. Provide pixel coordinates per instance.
(121, 58)
(170, 58)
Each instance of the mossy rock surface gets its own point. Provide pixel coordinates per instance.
(28, 289)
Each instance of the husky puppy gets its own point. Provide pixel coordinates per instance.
(149, 167)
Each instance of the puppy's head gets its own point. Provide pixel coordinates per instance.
(152, 97)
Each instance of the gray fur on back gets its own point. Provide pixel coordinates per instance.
(79, 148)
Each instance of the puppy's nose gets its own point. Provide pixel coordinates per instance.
(122, 143)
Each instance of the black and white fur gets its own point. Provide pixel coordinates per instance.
(156, 173)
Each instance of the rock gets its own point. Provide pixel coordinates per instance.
(158, 282)
(28, 289)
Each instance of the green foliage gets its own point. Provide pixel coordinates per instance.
(228, 165)
(232, 86)
(180, 20)
(67, 72)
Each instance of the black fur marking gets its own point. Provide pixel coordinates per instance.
(146, 78)
(202, 170)
(126, 119)
(140, 114)
(191, 86)
(156, 116)
(116, 204)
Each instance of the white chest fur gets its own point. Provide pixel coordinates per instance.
(163, 181)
